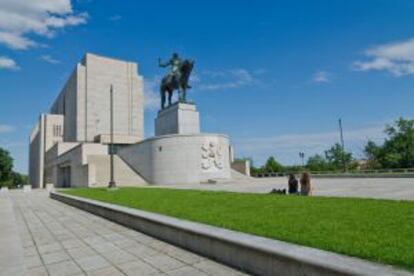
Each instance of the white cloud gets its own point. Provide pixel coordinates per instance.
(396, 58)
(15, 144)
(151, 94)
(20, 19)
(6, 129)
(8, 64)
(224, 79)
(310, 140)
(15, 41)
(321, 77)
(49, 59)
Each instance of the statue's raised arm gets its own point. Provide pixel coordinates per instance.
(163, 64)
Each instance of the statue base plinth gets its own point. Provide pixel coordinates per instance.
(179, 118)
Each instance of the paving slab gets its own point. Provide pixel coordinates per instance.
(55, 257)
(11, 246)
(139, 267)
(186, 271)
(164, 263)
(32, 261)
(93, 262)
(56, 239)
(37, 271)
(67, 267)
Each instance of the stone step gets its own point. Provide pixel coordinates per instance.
(124, 175)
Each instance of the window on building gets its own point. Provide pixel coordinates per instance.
(57, 130)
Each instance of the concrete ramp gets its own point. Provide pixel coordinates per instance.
(237, 176)
(99, 172)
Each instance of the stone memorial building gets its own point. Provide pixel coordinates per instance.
(69, 146)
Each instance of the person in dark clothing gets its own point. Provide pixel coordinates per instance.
(293, 184)
(278, 191)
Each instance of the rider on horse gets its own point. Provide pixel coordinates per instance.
(175, 72)
(176, 79)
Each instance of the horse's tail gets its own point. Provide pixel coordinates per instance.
(162, 86)
(162, 93)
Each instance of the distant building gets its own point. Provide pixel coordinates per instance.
(77, 127)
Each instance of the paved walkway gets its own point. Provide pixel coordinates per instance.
(385, 188)
(58, 239)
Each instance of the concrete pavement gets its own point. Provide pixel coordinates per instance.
(53, 238)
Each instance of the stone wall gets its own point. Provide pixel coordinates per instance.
(180, 159)
(99, 172)
(66, 105)
(85, 99)
(36, 154)
(47, 132)
(101, 73)
(241, 166)
(72, 166)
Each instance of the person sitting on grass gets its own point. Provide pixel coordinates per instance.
(292, 184)
(278, 191)
(305, 184)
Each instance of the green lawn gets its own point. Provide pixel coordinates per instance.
(378, 230)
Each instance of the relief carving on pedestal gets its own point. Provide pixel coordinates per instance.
(211, 156)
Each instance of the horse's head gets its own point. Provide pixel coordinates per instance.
(186, 68)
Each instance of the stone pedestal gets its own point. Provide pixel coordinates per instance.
(179, 118)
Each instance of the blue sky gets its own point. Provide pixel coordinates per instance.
(273, 75)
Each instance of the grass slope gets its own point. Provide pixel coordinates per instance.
(378, 230)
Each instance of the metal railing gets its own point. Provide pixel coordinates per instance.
(398, 171)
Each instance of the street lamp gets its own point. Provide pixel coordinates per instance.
(112, 183)
(341, 137)
(302, 156)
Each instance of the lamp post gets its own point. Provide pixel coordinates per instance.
(341, 137)
(112, 183)
(302, 157)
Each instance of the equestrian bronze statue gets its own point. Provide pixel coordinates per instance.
(176, 79)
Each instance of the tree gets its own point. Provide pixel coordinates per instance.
(332, 160)
(19, 179)
(398, 148)
(6, 166)
(272, 165)
(337, 157)
(318, 163)
(292, 168)
(372, 152)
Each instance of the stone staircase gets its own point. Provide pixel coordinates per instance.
(99, 168)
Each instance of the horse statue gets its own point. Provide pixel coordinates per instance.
(177, 82)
